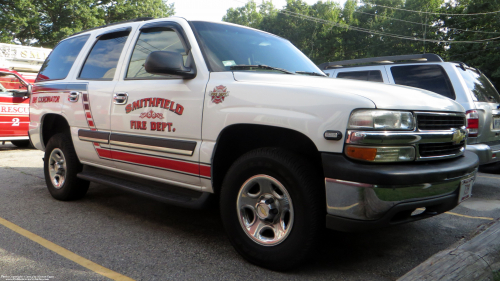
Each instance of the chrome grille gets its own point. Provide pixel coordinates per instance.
(440, 149)
(439, 121)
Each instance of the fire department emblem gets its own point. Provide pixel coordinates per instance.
(152, 115)
(219, 94)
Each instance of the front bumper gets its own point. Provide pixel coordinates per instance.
(487, 154)
(364, 196)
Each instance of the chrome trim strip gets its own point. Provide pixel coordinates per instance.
(153, 148)
(440, 113)
(399, 137)
(14, 138)
(82, 138)
(369, 202)
(93, 136)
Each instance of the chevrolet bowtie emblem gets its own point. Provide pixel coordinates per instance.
(458, 137)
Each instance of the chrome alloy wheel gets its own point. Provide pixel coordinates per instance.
(265, 210)
(57, 168)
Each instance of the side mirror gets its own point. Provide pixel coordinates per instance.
(30, 89)
(168, 63)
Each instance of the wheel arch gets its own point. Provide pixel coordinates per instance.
(238, 139)
(52, 124)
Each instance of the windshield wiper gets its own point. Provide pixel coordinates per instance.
(260, 66)
(310, 73)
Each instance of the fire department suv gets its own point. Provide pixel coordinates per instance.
(188, 111)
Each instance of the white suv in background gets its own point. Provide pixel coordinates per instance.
(455, 80)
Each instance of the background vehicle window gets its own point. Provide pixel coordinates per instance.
(10, 83)
(480, 86)
(150, 40)
(374, 75)
(61, 59)
(428, 77)
(103, 58)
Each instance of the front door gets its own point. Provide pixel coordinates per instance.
(156, 119)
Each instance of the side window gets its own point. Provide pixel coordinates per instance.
(428, 77)
(373, 75)
(103, 58)
(61, 59)
(356, 75)
(150, 40)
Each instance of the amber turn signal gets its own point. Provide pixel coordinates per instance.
(361, 153)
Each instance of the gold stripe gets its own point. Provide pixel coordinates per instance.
(66, 253)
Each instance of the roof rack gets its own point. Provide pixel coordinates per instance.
(114, 23)
(383, 60)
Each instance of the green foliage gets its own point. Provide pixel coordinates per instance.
(44, 23)
(327, 34)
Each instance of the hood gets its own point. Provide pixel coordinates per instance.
(384, 96)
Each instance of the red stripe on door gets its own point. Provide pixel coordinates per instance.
(185, 167)
(103, 153)
(205, 171)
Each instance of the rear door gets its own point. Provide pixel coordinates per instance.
(89, 102)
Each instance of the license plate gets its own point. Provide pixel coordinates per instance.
(496, 123)
(465, 189)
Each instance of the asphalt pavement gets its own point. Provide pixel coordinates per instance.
(120, 235)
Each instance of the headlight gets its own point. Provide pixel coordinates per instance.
(381, 120)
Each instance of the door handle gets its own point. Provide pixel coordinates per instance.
(73, 96)
(120, 98)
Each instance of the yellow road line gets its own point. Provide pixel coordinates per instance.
(66, 253)
(498, 178)
(470, 217)
(344, 208)
(465, 216)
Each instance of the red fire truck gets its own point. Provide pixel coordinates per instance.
(14, 108)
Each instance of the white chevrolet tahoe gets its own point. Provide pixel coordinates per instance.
(188, 111)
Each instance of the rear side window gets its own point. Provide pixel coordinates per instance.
(103, 58)
(60, 61)
(373, 75)
(428, 77)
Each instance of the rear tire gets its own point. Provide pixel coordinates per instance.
(21, 143)
(283, 233)
(61, 165)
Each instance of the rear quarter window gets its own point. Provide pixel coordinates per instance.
(428, 77)
(372, 75)
(61, 59)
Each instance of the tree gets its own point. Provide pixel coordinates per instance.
(44, 23)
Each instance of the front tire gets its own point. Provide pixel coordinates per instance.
(61, 166)
(273, 208)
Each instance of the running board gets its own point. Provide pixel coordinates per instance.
(169, 194)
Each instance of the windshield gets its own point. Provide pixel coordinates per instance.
(227, 45)
(480, 86)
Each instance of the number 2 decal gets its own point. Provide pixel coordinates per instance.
(15, 121)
